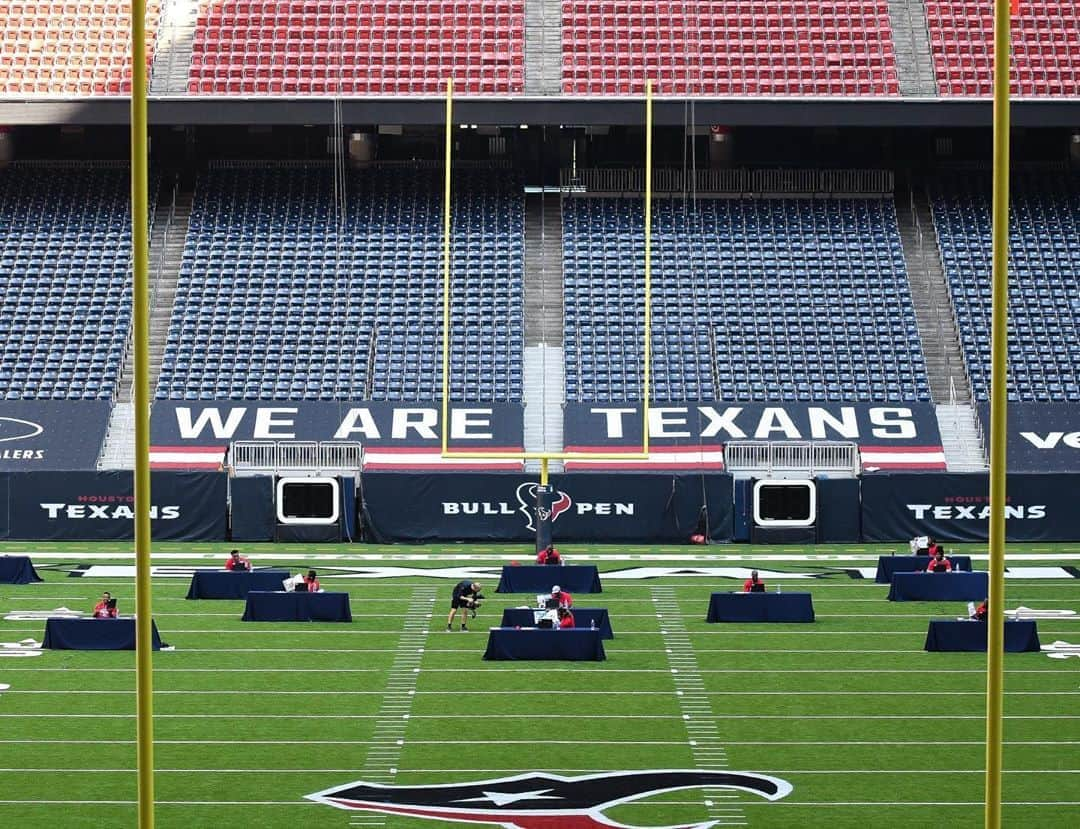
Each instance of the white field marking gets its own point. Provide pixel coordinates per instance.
(673, 718)
(388, 741)
(503, 771)
(643, 555)
(814, 803)
(705, 747)
(727, 629)
(679, 743)
(682, 673)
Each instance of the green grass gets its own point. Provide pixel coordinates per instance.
(867, 727)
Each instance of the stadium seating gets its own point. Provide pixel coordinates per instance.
(348, 47)
(729, 47)
(1045, 46)
(65, 298)
(1044, 311)
(80, 47)
(797, 299)
(275, 300)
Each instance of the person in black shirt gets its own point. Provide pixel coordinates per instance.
(465, 597)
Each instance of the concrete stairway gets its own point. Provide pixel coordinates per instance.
(543, 269)
(543, 47)
(911, 40)
(933, 305)
(545, 394)
(172, 52)
(171, 219)
(961, 438)
(543, 372)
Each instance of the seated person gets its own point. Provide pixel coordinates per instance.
(237, 562)
(566, 618)
(753, 584)
(549, 555)
(939, 564)
(311, 582)
(106, 608)
(561, 597)
(933, 547)
(981, 612)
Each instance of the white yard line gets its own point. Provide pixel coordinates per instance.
(705, 745)
(388, 738)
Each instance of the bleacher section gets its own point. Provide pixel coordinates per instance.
(69, 48)
(1045, 46)
(729, 47)
(65, 298)
(347, 47)
(275, 301)
(1044, 274)
(798, 299)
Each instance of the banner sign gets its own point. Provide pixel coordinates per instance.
(99, 506)
(1043, 437)
(52, 434)
(195, 434)
(957, 507)
(626, 507)
(692, 435)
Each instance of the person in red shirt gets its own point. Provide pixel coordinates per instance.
(562, 597)
(549, 555)
(566, 618)
(982, 611)
(237, 562)
(312, 582)
(748, 585)
(939, 564)
(106, 608)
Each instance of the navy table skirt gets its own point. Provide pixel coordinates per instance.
(94, 634)
(297, 607)
(584, 617)
(887, 565)
(953, 635)
(539, 578)
(17, 570)
(575, 645)
(760, 607)
(944, 587)
(225, 584)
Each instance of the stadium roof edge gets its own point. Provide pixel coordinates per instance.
(536, 110)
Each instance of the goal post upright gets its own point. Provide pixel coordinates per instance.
(545, 457)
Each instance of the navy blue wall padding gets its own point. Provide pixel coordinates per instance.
(98, 506)
(5, 511)
(956, 507)
(1043, 437)
(253, 516)
(628, 507)
(718, 502)
(743, 509)
(38, 435)
(839, 510)
(348, 508)
(310, 534)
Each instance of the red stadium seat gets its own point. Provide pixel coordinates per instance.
(333, 41)
(729, 47)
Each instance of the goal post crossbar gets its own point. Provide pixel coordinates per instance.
(545, 457)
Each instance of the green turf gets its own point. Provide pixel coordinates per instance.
(867, 727)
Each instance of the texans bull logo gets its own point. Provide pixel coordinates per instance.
(526, 495)
(539, 800)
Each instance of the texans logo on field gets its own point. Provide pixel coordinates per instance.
(541, 801)
(526, 495)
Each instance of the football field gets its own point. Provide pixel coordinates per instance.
(866, 727)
